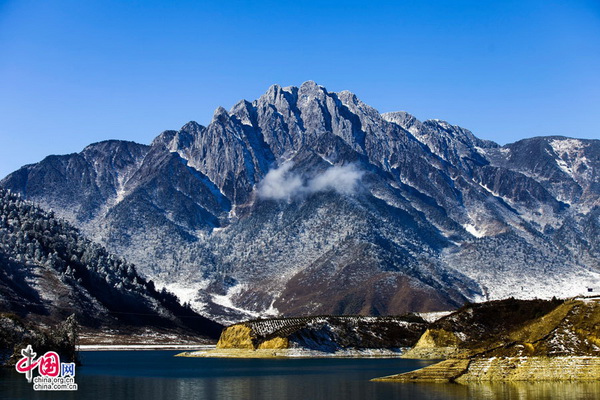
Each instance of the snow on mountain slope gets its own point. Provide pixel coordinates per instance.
(307, 201)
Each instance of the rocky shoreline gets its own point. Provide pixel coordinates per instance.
(512, 340)
(504, 369)
(292, 353)
(497, 341)
(318, 336)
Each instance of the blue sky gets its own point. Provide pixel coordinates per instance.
(77, 72)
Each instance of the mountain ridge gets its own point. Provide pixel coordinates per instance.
(429, 205)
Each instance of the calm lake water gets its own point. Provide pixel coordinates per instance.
(147, 375)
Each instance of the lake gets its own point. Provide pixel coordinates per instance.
(147, 375)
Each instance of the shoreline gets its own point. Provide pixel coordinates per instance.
(291, 353)
(504, 369)
(143, 347)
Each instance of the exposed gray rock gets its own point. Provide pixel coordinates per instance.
(434, 217)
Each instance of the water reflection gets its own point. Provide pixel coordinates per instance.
(152, 375)
(287, 387)
(536, 390)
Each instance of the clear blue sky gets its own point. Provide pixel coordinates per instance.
(81, 71)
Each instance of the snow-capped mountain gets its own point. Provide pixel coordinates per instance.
(306, 201)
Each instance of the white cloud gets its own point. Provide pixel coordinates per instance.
(281, 184)
(342, 179)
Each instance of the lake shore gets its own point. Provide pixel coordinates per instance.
(504, 369)
(132, 347)
(292, 353)
(142, 340)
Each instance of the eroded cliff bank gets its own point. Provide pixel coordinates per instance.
(504, 369)
(512, 340)
(323, 335)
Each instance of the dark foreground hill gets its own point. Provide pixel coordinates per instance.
(49, 272)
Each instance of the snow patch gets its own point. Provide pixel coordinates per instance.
(129, 347)
(570, 155)
(226, 300)
(433, 316)
(566, 145)
(473, 230)
(185, 292)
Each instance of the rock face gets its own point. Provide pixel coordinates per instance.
(504, 369)
(238, 336)
(532, 369)
(512, 341)
(442, 372)
(307, 202)
(515, 328)
(325, 334)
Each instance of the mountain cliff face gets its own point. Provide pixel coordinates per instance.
(306, 201)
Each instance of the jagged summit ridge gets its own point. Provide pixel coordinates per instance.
(434, 216)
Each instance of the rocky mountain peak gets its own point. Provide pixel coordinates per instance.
(404, 119)
(311, 87)
(192, 126)
(303, 193)
(245, 112)
(347, 97)
(164, 139)
(220, 115)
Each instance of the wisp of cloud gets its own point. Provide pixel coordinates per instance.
(281, 184)
(343, 179)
